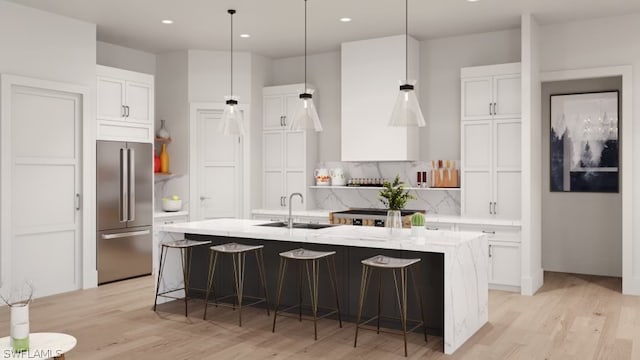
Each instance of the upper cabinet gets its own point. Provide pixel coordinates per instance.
(289, 157)
(371, 75)
(125, 105)
(491, 142)
(495, 96)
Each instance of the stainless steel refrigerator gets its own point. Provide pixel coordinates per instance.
(124, 210)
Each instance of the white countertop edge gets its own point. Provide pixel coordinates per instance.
(285, 212)
(168, 214)
(369, 237)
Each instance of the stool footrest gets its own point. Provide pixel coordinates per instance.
(283, 312)
(361, 325)
(259, 300)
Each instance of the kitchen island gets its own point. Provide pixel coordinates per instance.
(454, 267)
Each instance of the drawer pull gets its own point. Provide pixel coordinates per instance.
(433, 228)
(488, 232)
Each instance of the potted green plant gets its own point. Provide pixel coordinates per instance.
(394, 198)
(417, 224)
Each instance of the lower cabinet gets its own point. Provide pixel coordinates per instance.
(504, 265)
(504, 255)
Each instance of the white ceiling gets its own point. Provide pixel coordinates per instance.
(276, 26)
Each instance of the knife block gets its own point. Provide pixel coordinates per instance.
(445, 178)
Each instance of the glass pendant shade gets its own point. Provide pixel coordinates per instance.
(232, 122)
(306, 115)
(406, 111)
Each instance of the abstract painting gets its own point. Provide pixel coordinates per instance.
(584, 142)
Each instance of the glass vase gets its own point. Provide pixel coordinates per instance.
(20, 327)
(394, 221)
(163, 133)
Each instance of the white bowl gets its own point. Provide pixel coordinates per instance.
(171, 205)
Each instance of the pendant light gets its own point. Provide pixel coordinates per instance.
(306, 116)
(232, 117)
(406, 111)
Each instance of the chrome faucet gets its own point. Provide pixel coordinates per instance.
(290, 222)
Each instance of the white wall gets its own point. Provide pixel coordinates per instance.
(210, 79)
(260, 76)
(323, 72)
(441, 60)
(172, 105)
(600, 43)
(125, 58)
(42, 45)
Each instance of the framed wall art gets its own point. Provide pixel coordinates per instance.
(584, 142)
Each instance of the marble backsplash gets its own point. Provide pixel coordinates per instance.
(443, 202)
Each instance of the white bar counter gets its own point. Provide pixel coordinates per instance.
(465, 259)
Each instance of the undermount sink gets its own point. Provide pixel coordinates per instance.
(298, 225)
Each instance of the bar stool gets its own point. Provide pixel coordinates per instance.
(384, 263)
(238, 254)
(306, 258)
(186, 248)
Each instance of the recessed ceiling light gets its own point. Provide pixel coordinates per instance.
(346, 19)
(473, 0)
(245, 36)
(167, 21)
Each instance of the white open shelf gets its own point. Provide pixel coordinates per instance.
(380, 188)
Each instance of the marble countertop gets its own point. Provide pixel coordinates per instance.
(356, 236)
(285, 212)
(168, 214)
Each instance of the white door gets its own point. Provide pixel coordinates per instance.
(506, 96)
(476, 98)
(219, 169)
(476, 168)
(273, 110)
(138, 102)
(273, 169)
(111, 99)
(504, 263)
(507, 168)
(44, 128)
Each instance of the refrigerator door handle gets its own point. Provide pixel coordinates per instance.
(124, 192)
(131, 184)
(126, 234)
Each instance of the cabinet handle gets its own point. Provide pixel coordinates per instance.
(123, 113)
(490, 252)
(488, 232)
(490, 109)
(495, 212)
(490, 210)
(78, 202)
(495, 112)
(433, 228)
(284, 120)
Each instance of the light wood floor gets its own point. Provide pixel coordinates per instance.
(572, 317)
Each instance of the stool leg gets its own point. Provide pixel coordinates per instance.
(160, 269)
(334, 283)
(213, 259)
(281, 271)
(183, 255)
(401, 296)
(363, 291)
(263, 277)
(418, 292)
(238, 272)
(300, 290)
(379, 299)
(313, 292)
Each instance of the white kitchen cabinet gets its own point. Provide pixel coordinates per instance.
(125, 105)
(289, 157)
(371, 74)
(491, 92)
(490, 141)
(504, 254)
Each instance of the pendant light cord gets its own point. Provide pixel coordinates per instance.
(232, 55)
(305, 46)
(406, 39)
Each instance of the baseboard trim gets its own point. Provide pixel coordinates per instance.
(531, 285)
